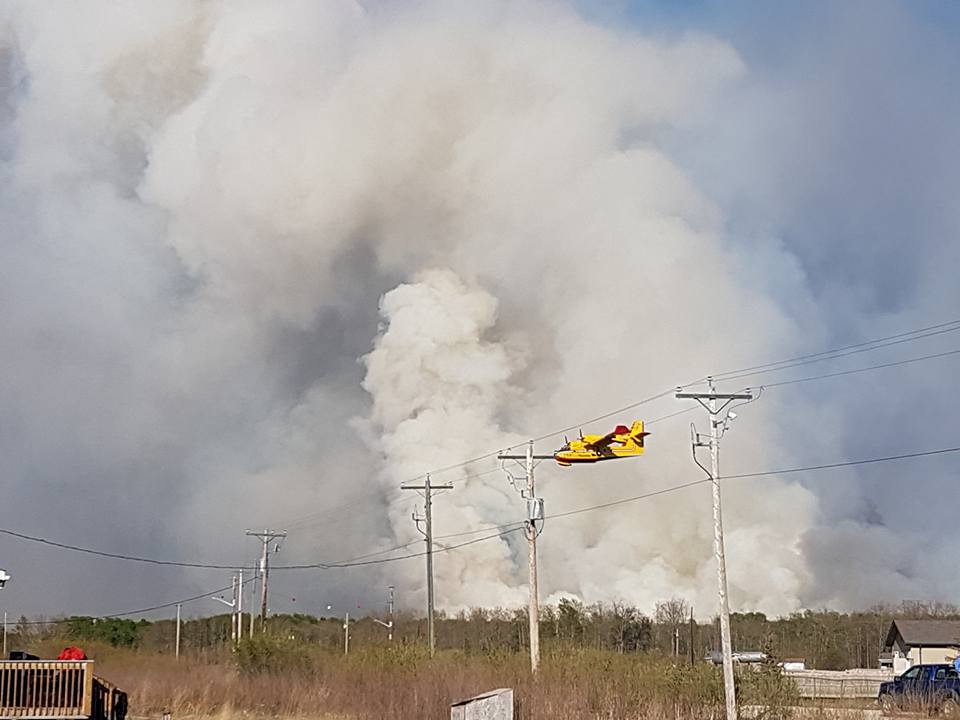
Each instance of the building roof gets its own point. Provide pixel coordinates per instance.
(925, 633)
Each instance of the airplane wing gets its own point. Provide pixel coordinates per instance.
(605, 441)
(601, 442)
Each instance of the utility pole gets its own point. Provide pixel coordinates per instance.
(693, 626)
(266, 537)
(534, 513)
(534, 600)
(427, 519)
(390, 603)
(708, 400)
(240, 607)
(346, 633)
(4, 579)
(233, 604)
(177, 650)
(389, 624)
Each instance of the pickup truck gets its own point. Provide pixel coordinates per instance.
(928, 687)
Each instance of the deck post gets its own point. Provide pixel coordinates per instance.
(88, 688)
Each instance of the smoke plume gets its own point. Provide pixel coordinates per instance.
(262, 262)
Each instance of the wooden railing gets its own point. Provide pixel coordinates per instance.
(57, 690)
(109, 702)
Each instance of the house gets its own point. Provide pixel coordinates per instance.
(923, 641)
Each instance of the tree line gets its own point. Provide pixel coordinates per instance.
(823, 639)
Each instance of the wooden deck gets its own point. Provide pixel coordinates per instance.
(57, 690)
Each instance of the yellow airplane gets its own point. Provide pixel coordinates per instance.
(623, 442)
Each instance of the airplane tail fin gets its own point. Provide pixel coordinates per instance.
(636, 436)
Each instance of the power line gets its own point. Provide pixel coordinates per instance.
(919, 333)
(348, 564)
(863, 369)
(865, 346)
(119, 556)
(721, 376)
(693, 483)
(888, 458)
(504, 530)
(598, 418)
(139, 611)
(765, 473)
(364, 560)
(836, 356)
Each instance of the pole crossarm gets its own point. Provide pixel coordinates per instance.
(524, 457)
(711, 399)
(714, 396)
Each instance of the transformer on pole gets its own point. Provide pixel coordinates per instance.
(534, 514)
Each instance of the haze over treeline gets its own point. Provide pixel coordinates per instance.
(260, 262)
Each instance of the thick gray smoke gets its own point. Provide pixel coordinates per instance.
(263, 262)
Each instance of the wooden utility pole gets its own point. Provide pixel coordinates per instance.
(693, 627)
(265, 537)
(177, 650)
(534, 513)
(390, 627)
(708, 400)
(427, 487)
(533, 603)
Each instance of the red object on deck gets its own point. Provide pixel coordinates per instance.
(72, 653)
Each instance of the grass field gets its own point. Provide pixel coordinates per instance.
(271, 678)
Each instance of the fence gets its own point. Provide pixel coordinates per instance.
(839, 683)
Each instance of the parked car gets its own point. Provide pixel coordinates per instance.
(929, 687)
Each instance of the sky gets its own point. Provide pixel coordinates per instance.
(261, 263)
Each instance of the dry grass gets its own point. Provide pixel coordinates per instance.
(400, 683)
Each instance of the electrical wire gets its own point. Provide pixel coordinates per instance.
(214, 566)
(139, 611)
(383, 561)
(119, 556)
(738, 373)
(503, 531)
(854, 371)
(877, 343)
(693, 483)
(765, 473)
(950, 326)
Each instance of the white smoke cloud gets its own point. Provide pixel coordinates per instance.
(439, 387)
